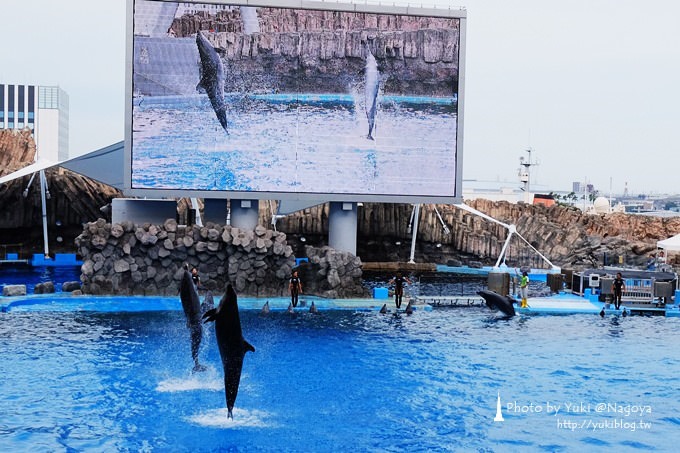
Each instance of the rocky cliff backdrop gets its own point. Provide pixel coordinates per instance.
(322, 51)
(566, 235)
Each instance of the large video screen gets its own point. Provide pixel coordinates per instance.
(269, 101)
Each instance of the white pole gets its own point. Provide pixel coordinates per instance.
(43, 188)
(416, 218)
(196, 207)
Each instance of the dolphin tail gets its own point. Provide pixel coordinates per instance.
(210, 315)
(248, 347)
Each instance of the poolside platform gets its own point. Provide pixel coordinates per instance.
(534, 274)
(451, 301)
(563, 303)
(568, 303)
(67, 302)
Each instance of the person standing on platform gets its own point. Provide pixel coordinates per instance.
(398, 282)
(295, 288)
(524, 289)
(618, 287)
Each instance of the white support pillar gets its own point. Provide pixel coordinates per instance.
(342, 226)
(414, 229)
(244, 214)
(43, 190)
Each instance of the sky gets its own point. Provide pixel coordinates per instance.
(590, 86)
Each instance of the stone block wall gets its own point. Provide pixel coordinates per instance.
(129, 259)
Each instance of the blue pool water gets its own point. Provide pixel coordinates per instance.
(32, 275)
(339, 381)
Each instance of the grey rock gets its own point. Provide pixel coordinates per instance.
(70, 286)
(14, 290)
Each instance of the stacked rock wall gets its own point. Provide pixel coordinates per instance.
(129, 259)
(332, 273)
(147, 259)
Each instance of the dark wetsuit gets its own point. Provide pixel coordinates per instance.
(398, 289)
(618, 291)
(294, 290)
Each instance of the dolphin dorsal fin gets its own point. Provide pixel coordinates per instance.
(248, 347)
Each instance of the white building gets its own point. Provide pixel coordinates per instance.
(42, 109)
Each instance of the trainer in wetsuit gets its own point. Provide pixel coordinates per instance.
(398, 281)
(618, 287)
(195, 278)
(295, 288)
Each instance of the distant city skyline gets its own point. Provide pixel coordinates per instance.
(589, 86)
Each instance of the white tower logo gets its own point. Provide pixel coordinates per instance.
(499, 414)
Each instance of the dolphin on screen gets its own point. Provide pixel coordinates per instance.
(212, 77)
(371, 88)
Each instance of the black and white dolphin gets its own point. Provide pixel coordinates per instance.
(192, 311)
(371, 88)
(212, 77)
(498, 302)
(232, 345)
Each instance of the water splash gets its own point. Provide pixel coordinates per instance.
(195, 382)
(243, 418)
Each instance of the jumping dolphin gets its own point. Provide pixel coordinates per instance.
(192, 311)
(233, 346)
(371, 86)
(212, 77)
(498, 302)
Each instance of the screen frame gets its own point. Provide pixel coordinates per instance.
(456, 198)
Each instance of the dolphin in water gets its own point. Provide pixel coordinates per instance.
(232, 345)
(265, 309)
(313, 309)
(212, 77)
(409, 308)
(192, 311)
(371, 88)
(383, 310)
(498, 302)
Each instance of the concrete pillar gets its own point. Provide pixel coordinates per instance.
(215, 211)
(244, 214)
(342, 226)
